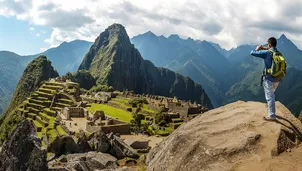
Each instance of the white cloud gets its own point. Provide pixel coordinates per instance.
(229, 23)
(31, 29)
(38, 35)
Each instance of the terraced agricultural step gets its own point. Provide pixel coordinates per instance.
(33, 110)
(46, 90)
(57, 108)
(44, 116)
(41, 121)
(46, 95)
(32, 116)
(42, 98)
(61, 105)
(38, 125)
(54, 84)
(177, 120)
(40, 102)
(36, 106)
(66, 101)
(49, 112)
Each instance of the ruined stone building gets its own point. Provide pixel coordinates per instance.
(74, 112)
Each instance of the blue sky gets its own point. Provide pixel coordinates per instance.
(21, 37)
(31, 26)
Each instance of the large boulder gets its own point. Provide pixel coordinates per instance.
(83, 143)
(120, 149)
(99, 142)
(63, 145)
(22, 151)
(232, 137)
(86, 162)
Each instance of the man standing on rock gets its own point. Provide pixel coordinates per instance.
(271, 74)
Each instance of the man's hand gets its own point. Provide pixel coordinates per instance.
(259, 47)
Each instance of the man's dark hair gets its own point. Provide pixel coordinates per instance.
(272, 41)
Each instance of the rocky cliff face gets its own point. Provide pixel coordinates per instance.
(22, 151)
(232, 137)
(37, 71)
(114, 61)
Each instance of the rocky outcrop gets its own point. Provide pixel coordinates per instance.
(231, 137)
(83, 143)
(113, 145)
(99, 142)
(63, 145)
(120, 149)
(85, 162)
(22, 151)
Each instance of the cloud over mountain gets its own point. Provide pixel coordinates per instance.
(229, 23)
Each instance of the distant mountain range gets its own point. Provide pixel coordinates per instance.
(227, 76)
(66, 58)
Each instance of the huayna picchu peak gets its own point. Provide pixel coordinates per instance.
(112, 60)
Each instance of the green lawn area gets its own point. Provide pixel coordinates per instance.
(121, 104)
(119, 99)
(111, 111)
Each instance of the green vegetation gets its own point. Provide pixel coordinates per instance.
(138, 101)
(101, 88)
(111, 111)
(60, 130)
(82, 77)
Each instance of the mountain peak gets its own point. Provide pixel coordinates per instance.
(115, 32)
(150, 34)
(283, 37)
(174, 37)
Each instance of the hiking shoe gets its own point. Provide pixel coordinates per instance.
(267, 118)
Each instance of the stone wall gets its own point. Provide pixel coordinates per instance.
(118, 128)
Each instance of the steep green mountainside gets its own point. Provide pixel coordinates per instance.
(114, 61)
(35, 73)
(200, 60)
(83, 77)
(66, 58)
(11, 68)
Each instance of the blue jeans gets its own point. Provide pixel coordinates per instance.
(269, 90)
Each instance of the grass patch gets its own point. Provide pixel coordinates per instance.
(37, 124)
(52, 134)
(121, 100)
(111, 111)
(121, 104)
(60, 130)
(162, 133)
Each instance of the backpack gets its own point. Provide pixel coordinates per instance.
(278, 69)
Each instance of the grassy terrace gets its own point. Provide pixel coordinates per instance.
(111, 111)
(60, 130)
(49, 110)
